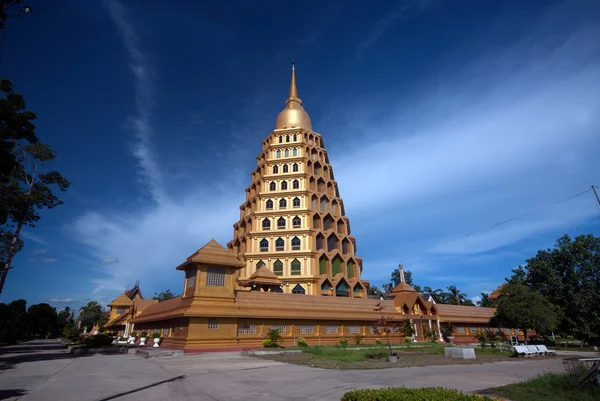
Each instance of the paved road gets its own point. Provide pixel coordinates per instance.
(42, 370)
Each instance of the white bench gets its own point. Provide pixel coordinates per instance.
(534, 350)
(522, 350)
(460, 353)
(543, 349)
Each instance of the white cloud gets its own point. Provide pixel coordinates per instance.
(110, 260)
(59, 299)
(40, 251)
(49, 260)
(33, 237)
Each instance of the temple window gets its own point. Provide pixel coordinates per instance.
(269, 204)
(331, 329)
(212, 323)
(275, 169)
(264, 245)
(353, 329)
(296, 222)
(121, 309)
(460, 329)
(165, 331)
(295, 184)
(286, 168)
(286, 153)
(294, 152)
(298, 289)
(278, 327)
(281, 139)
(282, 204)
(278, 153)
(215, 277)
(279, 244)
(278, 267)
(260, 264)
(295, 137)
(287, 138)
(246, 329)
(296, 267)
(296, 202)
(272, 186)
(473, 330)
(284, 185)
(306, 329)
(266, 224)
(281, 223)
(295, 244)
(191, 278)
(295, 167)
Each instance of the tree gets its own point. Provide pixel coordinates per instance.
(521, 308)
(165, 295)
(13, 321)
(437, 294)
(42, 321)
(485, 301)
(91, 314)
(569, 277)
(374, 290)
(455, 297)
(64, 317)
(29, 190)
(395, 280)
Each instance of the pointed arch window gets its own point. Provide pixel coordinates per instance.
(281, 223)
(286, 168)
(272, 186)
(283, 185)
(260, 264)
(282, 204)
(275, 169)
(296, 268)
(298, 289)
(296, 202)
(269, 204)
(287, 153)
(287, 138)
(295, 184)
(279, 244)
(295, 167)
(294, 152)
(264, 245)
(278, 267)
(295, 137)
(295, 244)
(296, 222)
(266, 224)
(281, 139)
(278, 153)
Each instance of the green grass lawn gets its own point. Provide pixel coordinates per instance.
(548, 387)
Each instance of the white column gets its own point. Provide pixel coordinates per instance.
(440, 330)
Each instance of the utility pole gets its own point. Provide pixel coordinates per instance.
(596, 193)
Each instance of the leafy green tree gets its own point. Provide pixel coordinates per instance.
(65, 317)
(42, 321)
(13, 321)
(91, 314)
(456, 297)
(569, 277)
(521, 308)
(165, 295)
(374, 290)
(485, 301)
(395, 280)
(438, 295)
(29, 190)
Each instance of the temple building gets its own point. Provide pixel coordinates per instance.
(124, 308)
(291, 265)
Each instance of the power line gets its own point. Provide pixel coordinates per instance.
(505, 221)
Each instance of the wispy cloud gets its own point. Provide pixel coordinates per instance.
(143, 149)
(60, 300)
(110, 260)
(40, 251)
(33, 237)
(408, 8)
(49, 260)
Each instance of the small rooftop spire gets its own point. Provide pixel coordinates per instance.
(401, 266)
(293, 95)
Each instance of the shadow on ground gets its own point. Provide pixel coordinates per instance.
(16, 349)
(13, 392)
(9, 361)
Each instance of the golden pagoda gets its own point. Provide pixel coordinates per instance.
(293, 221)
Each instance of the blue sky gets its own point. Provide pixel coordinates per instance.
(440, 118)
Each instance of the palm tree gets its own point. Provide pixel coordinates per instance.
(455, 297)
(485, 301)
(437, 295)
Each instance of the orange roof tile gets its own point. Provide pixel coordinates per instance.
(121, 300)
(215, 254)
(262, 276)
(158, 310)
(496, 293)
(467, 314)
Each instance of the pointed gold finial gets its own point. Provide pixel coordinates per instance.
(402, 280)
(293, 88)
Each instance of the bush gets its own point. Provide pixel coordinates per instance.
(302, 342)
(358, 339)
(377, 354)
(412, 394)
(481, 337)
(133, 334)
(144, 334)
(343, 342)
(407, 340)
(274, 337)
(99, 340)
(156, 335)
(378, 342)
(268, 343)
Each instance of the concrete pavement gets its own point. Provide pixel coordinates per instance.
(42, 370)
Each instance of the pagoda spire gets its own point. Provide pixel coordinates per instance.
(402, 280)
(293, 95)
(293, 115)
